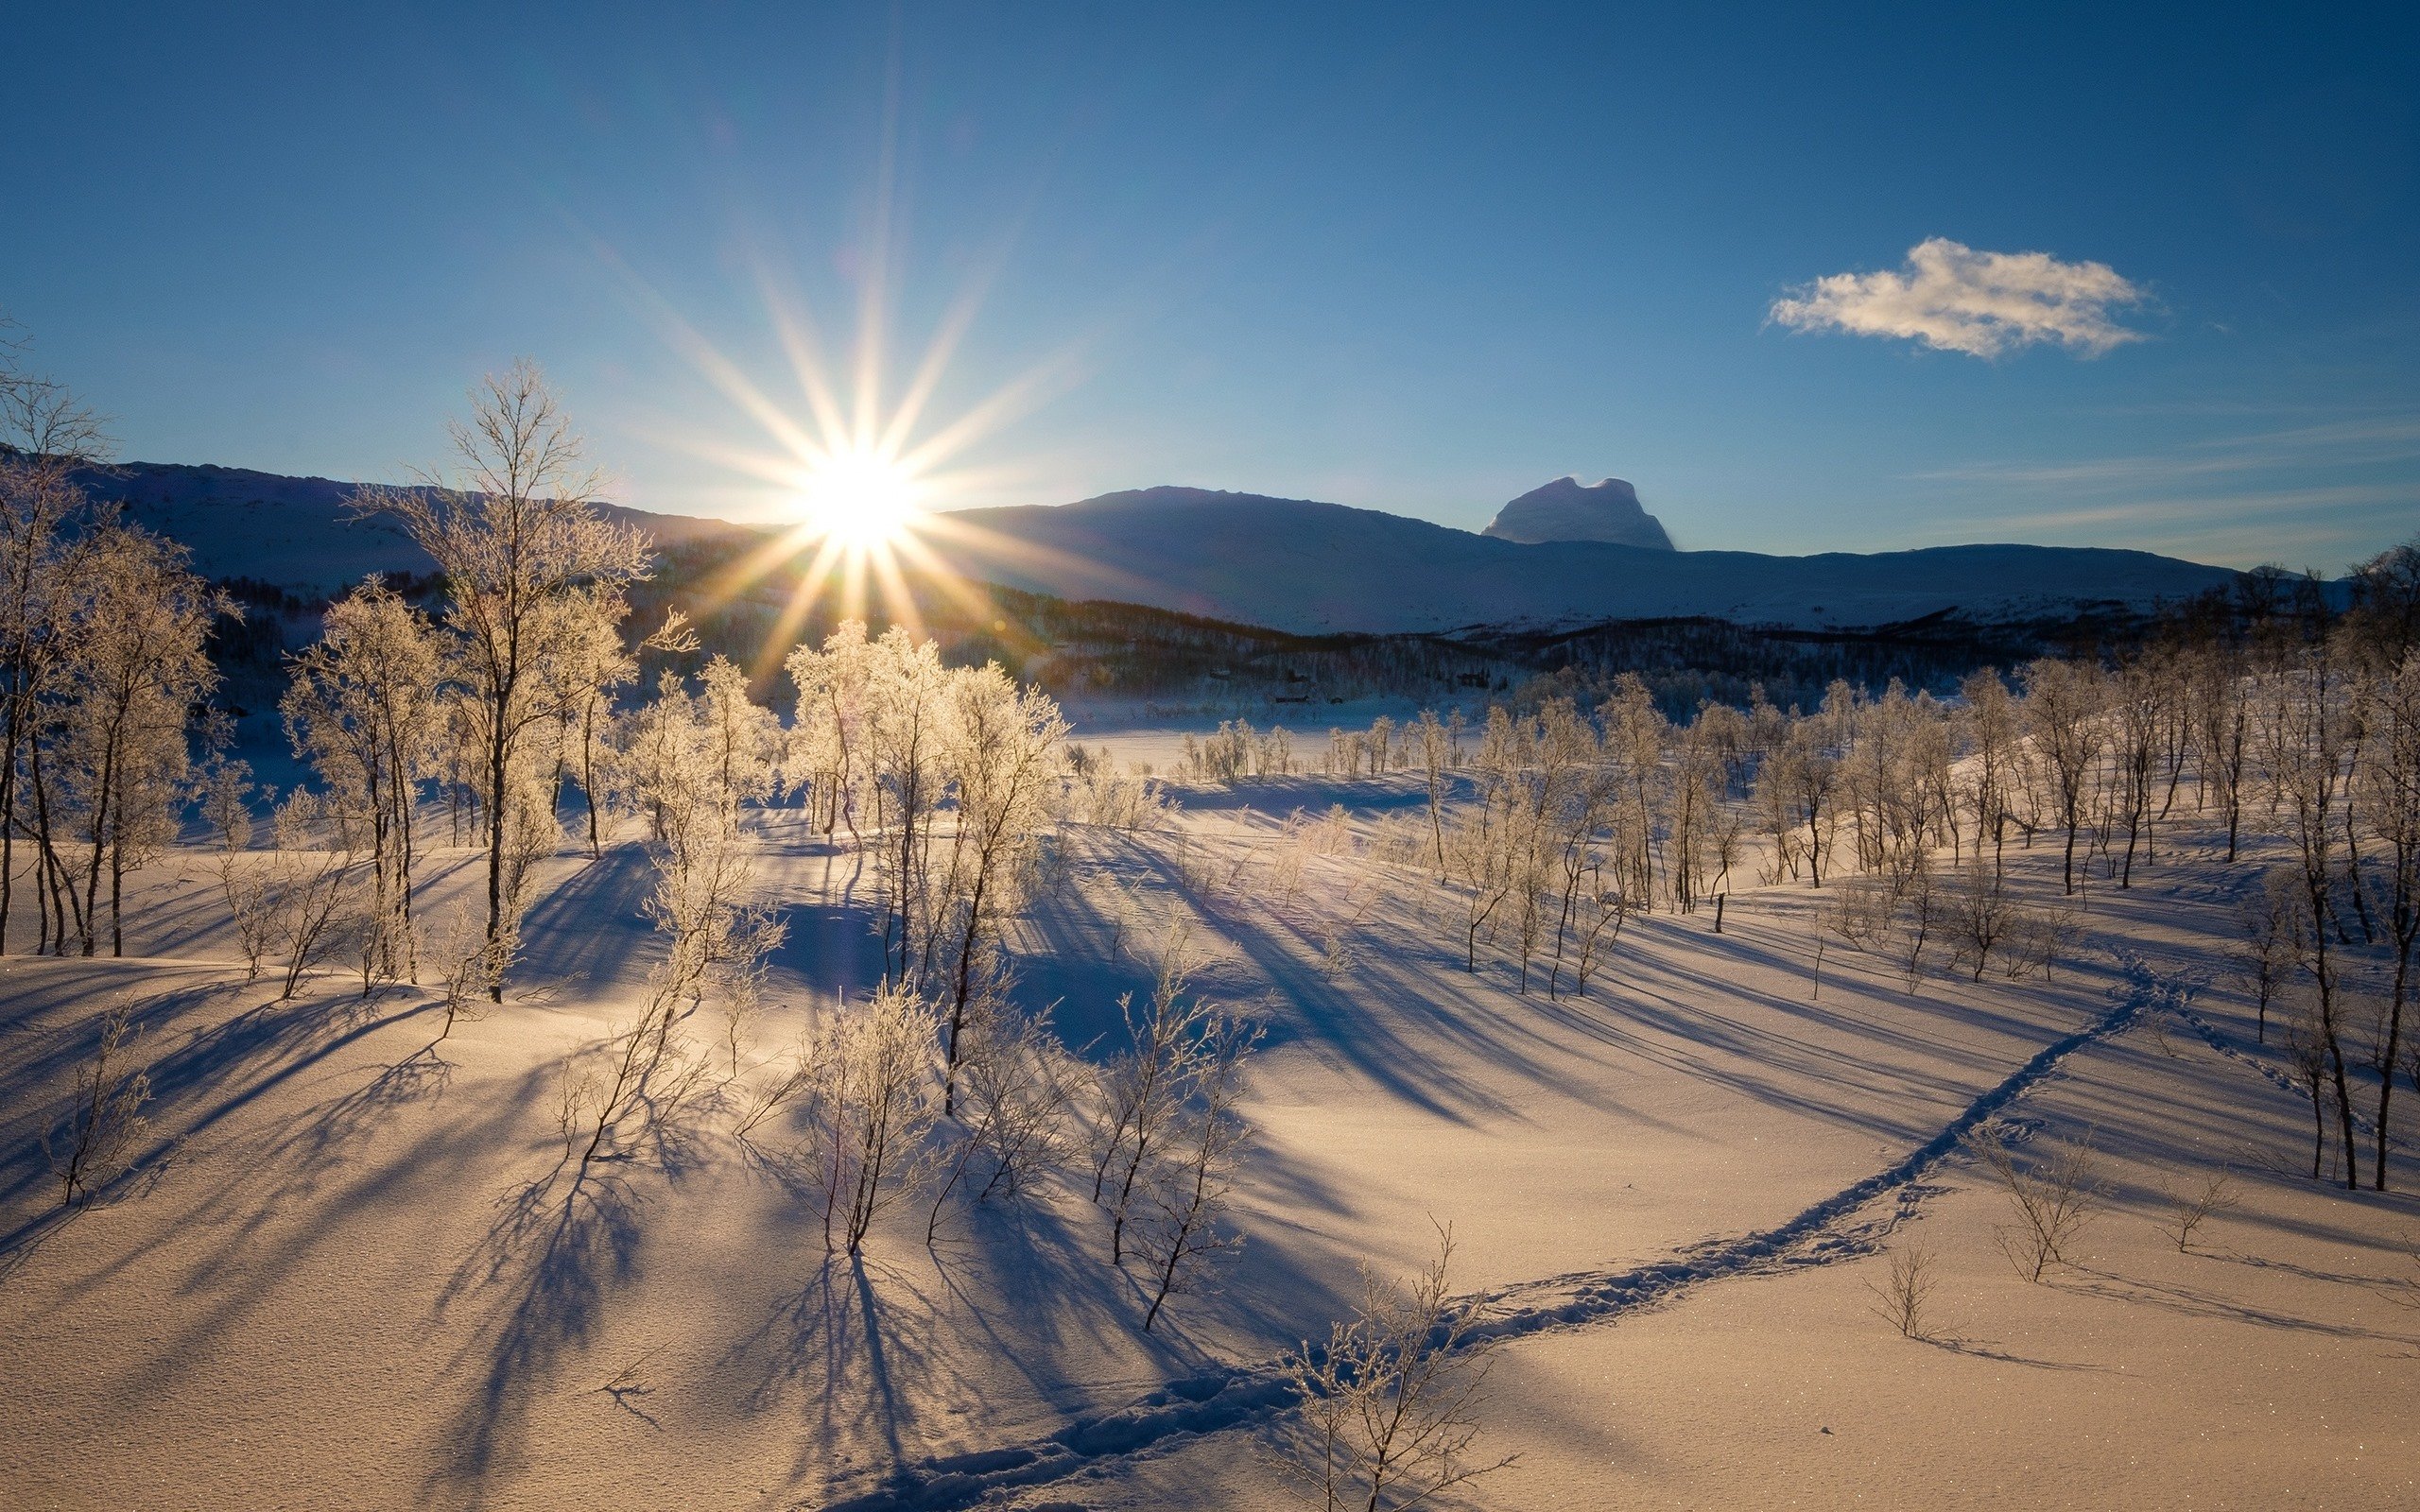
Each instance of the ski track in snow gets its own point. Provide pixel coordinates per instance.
(1220, 1401)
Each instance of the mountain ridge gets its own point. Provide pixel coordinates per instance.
(1313, 567)
(1300, 565)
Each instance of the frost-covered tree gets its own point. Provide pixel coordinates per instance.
(362, 709)
(528, 562)
(2064, 703)
(828, 754)
(98, 1138)
(1016, 1099)
(717, 931)
(1000, 745)
(743, 737)
(136, 666)
(2305, 758)
(1993, 732)
(1434, 746)
(244, 884)
(1390, 1403)
(1144, 1089)
(2387, 781)
(2214, 676)
(1794, 788)
(1636, 732)
(2142, 701)
(594, 666)
(905, 736)
(870, 1099)
(1480, 843)
(1185, 1233)
(45, 435)
(311, 885)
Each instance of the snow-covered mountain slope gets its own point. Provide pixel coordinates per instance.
(300, 534)
(1299, 565)
(1291, 564)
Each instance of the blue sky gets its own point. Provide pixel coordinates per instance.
(1419, 260)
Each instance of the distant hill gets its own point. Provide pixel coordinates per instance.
(296, 533)
(1299, 565)
(1295, 565)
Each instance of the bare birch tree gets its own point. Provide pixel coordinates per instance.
(526, 558)
(1190, 1189)
(361, 707)
(1391, 1401)
(97, 1140)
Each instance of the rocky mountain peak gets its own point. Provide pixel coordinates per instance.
(1567, 510)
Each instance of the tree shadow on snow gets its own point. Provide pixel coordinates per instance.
(2193, 1301)
(862, 1352)
(540, 1276)
(237, 1060)
(589, 926)
(856, 1345)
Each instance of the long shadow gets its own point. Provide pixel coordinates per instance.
(240, 1260)
(2194, 1302)
(854, 1352)
(557, 1247)
(843, 1345)
(1337, 1014)
(1984, 1350)
(589, 926)
(290, 1038)
(1386, 1014)
(1683, 1017)
(828, 946)
(289, 1167)
(36, 1075)
(1230, 1396)
(2305, 1272)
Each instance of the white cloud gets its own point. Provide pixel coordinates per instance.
(1954, 298)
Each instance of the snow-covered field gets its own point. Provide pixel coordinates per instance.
(350, 1272)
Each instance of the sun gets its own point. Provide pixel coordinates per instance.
(859, 501)
(865, 479)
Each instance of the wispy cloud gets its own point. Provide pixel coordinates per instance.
(1954, 298)
(2346, 443)
(2259, 506)
(2324, 527)
(2322, 492)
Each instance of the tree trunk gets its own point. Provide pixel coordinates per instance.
(498, 757)
(2386, 1060)
(588, 774)
(8, 800)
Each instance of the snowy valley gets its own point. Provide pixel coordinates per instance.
(878, 1085)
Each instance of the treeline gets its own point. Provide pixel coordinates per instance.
(1686, 661)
